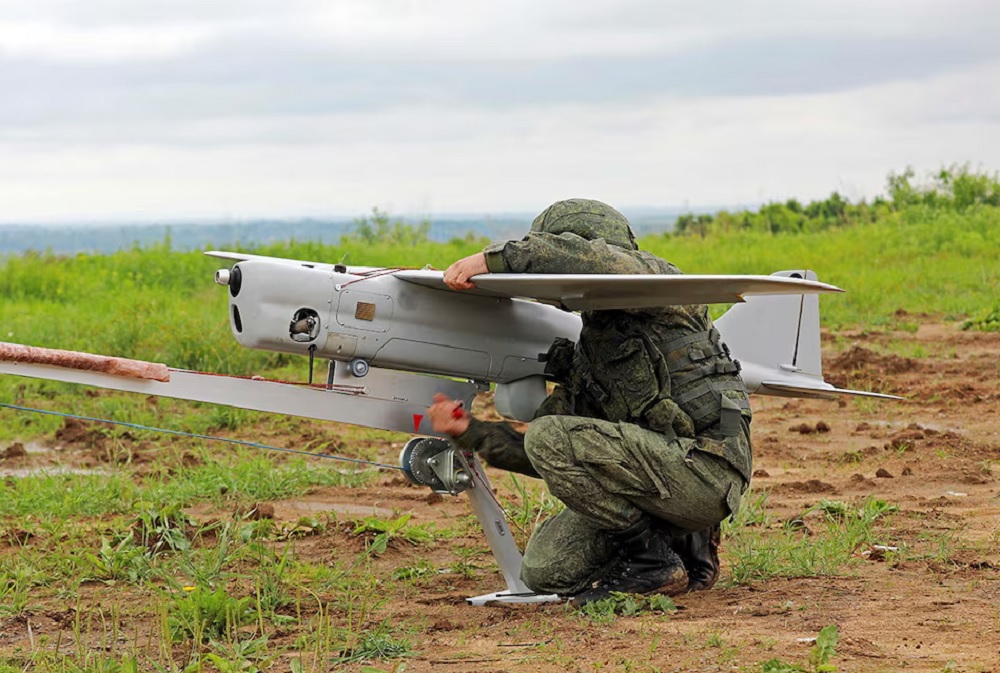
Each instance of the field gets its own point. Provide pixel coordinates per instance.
(870, 541)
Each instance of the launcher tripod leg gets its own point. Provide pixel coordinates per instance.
(498, 535)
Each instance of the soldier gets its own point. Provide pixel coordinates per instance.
(646, 437)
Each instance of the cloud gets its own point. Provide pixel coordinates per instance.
(705, 150)
(217, 106)
(219, 82)
(26, 40)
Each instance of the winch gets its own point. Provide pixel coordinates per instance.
(429, 461)
(435, 462)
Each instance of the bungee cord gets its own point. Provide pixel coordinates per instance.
(195, 435)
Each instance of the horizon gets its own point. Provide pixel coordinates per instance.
(150, 221)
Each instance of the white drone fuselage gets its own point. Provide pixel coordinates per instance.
(391, 323)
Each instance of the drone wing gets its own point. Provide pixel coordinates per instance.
(581, 292)
(245, 256)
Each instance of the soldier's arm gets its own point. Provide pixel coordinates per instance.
(498, 444)
(501, 445)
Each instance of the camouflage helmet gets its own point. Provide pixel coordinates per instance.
(587, 218)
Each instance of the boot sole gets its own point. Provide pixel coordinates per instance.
(675, 587)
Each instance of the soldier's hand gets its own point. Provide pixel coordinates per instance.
(458, 274)
(447, 416)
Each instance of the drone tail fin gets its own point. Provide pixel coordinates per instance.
(776, 338)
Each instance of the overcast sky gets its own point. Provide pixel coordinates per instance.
(118, 109)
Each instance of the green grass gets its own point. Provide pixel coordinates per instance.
(247, 477)
(68, 495)
(824, 540)
(243, 477)
(919, 260)
(211, 598)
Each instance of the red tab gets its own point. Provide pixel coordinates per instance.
(416, 422)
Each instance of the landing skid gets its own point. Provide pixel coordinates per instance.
(509, 597)
(491, 518)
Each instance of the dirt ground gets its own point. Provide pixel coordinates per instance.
(935, 455)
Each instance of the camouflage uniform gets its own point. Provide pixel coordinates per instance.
(650, 414)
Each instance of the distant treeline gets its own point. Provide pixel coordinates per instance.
(106, 238)
(953, 189)
(957, 188)
(377, 226)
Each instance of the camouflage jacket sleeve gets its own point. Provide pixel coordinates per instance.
(563, 253)
(501, 446)
(498, 444)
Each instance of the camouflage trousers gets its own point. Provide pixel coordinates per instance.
(609, 475)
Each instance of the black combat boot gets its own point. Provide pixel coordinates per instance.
(647, 565)
(700, 554)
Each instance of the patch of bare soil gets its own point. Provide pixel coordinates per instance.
(936, 455)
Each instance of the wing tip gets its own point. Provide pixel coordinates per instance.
(824, 288)
(826, 392)
(223, 254)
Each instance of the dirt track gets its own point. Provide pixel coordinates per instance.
(937, 456)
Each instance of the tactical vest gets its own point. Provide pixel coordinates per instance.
(687, 385)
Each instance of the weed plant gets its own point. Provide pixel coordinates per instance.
(18, 578)
(607, 610)
(819, 656)
(202, 615)
(532, 504)
(985, 320)
(375, 644)
(124, 561)
(388, 530)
